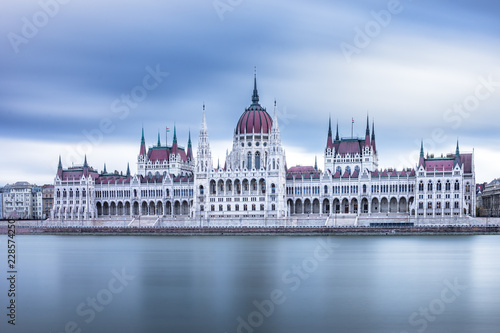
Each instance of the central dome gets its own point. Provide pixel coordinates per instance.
(255, 119)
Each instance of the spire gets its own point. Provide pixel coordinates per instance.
(85, 165)
(367, 134)
(457, 161)
(316, 163)
(367, 126)
(373, 138)
(337, 134)
(104, 169)
(159, 144)
(189, 147)
(59, 166)
(421, 161)
(175, 136)
(142, 151)
(255, 96)
(218, 164)
(330, 126)
(128, 169)
(203, 120)
(329, 141)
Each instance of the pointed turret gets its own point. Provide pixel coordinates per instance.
(128, 170)
(421, 161)
(457, 161)
(59, 168)
(255, 95)
(367, 134)
(374, 146)
(142, 151)
(189, 148)
(174, 143)
(337, 133)
(159, 143)
(85, 167)
(329, 140)
(104, 172)
(316, 163)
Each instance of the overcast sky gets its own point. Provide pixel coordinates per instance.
(82, 77)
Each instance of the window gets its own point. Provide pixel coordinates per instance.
(249, 160)
(438, 205)
(421, 186)
(237, 208)
(364, 188)
(262, 207)
(273, 207)
(456, 204)
(201, 189)
(257, 160)
(429, 205)
(447, 205)
(447, 185)
(429, 186)
(438, 185)
(326, 189)
(457, 185)
(420, 205)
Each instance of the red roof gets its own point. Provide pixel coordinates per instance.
(255, 119)
(349, 146)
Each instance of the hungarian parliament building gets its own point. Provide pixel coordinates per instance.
(255, 181)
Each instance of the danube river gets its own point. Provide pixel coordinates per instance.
(254, 284)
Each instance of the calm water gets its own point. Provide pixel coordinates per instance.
(255, 284)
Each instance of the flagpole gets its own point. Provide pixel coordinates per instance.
(352, 125)
(166, 137)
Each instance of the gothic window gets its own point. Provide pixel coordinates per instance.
(253, 207)
(273, 188)
(249, 161)
(273, 207)
(456, 204)
(438, 205)
(261, 206)
(220, 208)
(429, 205)
(212, 208)
(429, 186)
(64, 194)
(237, 208)
(201, 189)
(348, 169)
(447, 205)
(356, 168)
(77, 194)
(339, 169)
(257, 160)
(438, 185)
(326, 189)
(274, 164)
(228, 208)
(58, 193)
(421, 186)
(457, 186)
(447, 185)
(364, 188)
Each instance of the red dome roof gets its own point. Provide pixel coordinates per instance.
(255, 119)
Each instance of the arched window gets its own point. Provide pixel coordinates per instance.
(249, 161)
(339, 169)
(364, 188)
(201, 189)
(326, 189)
(447, 185)
(438, 185)
(348, 169)
(273, 188)
(356, 168)
(429, 186)
(257, 160)
(457, 185)
(58, 193)
(421, 186)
